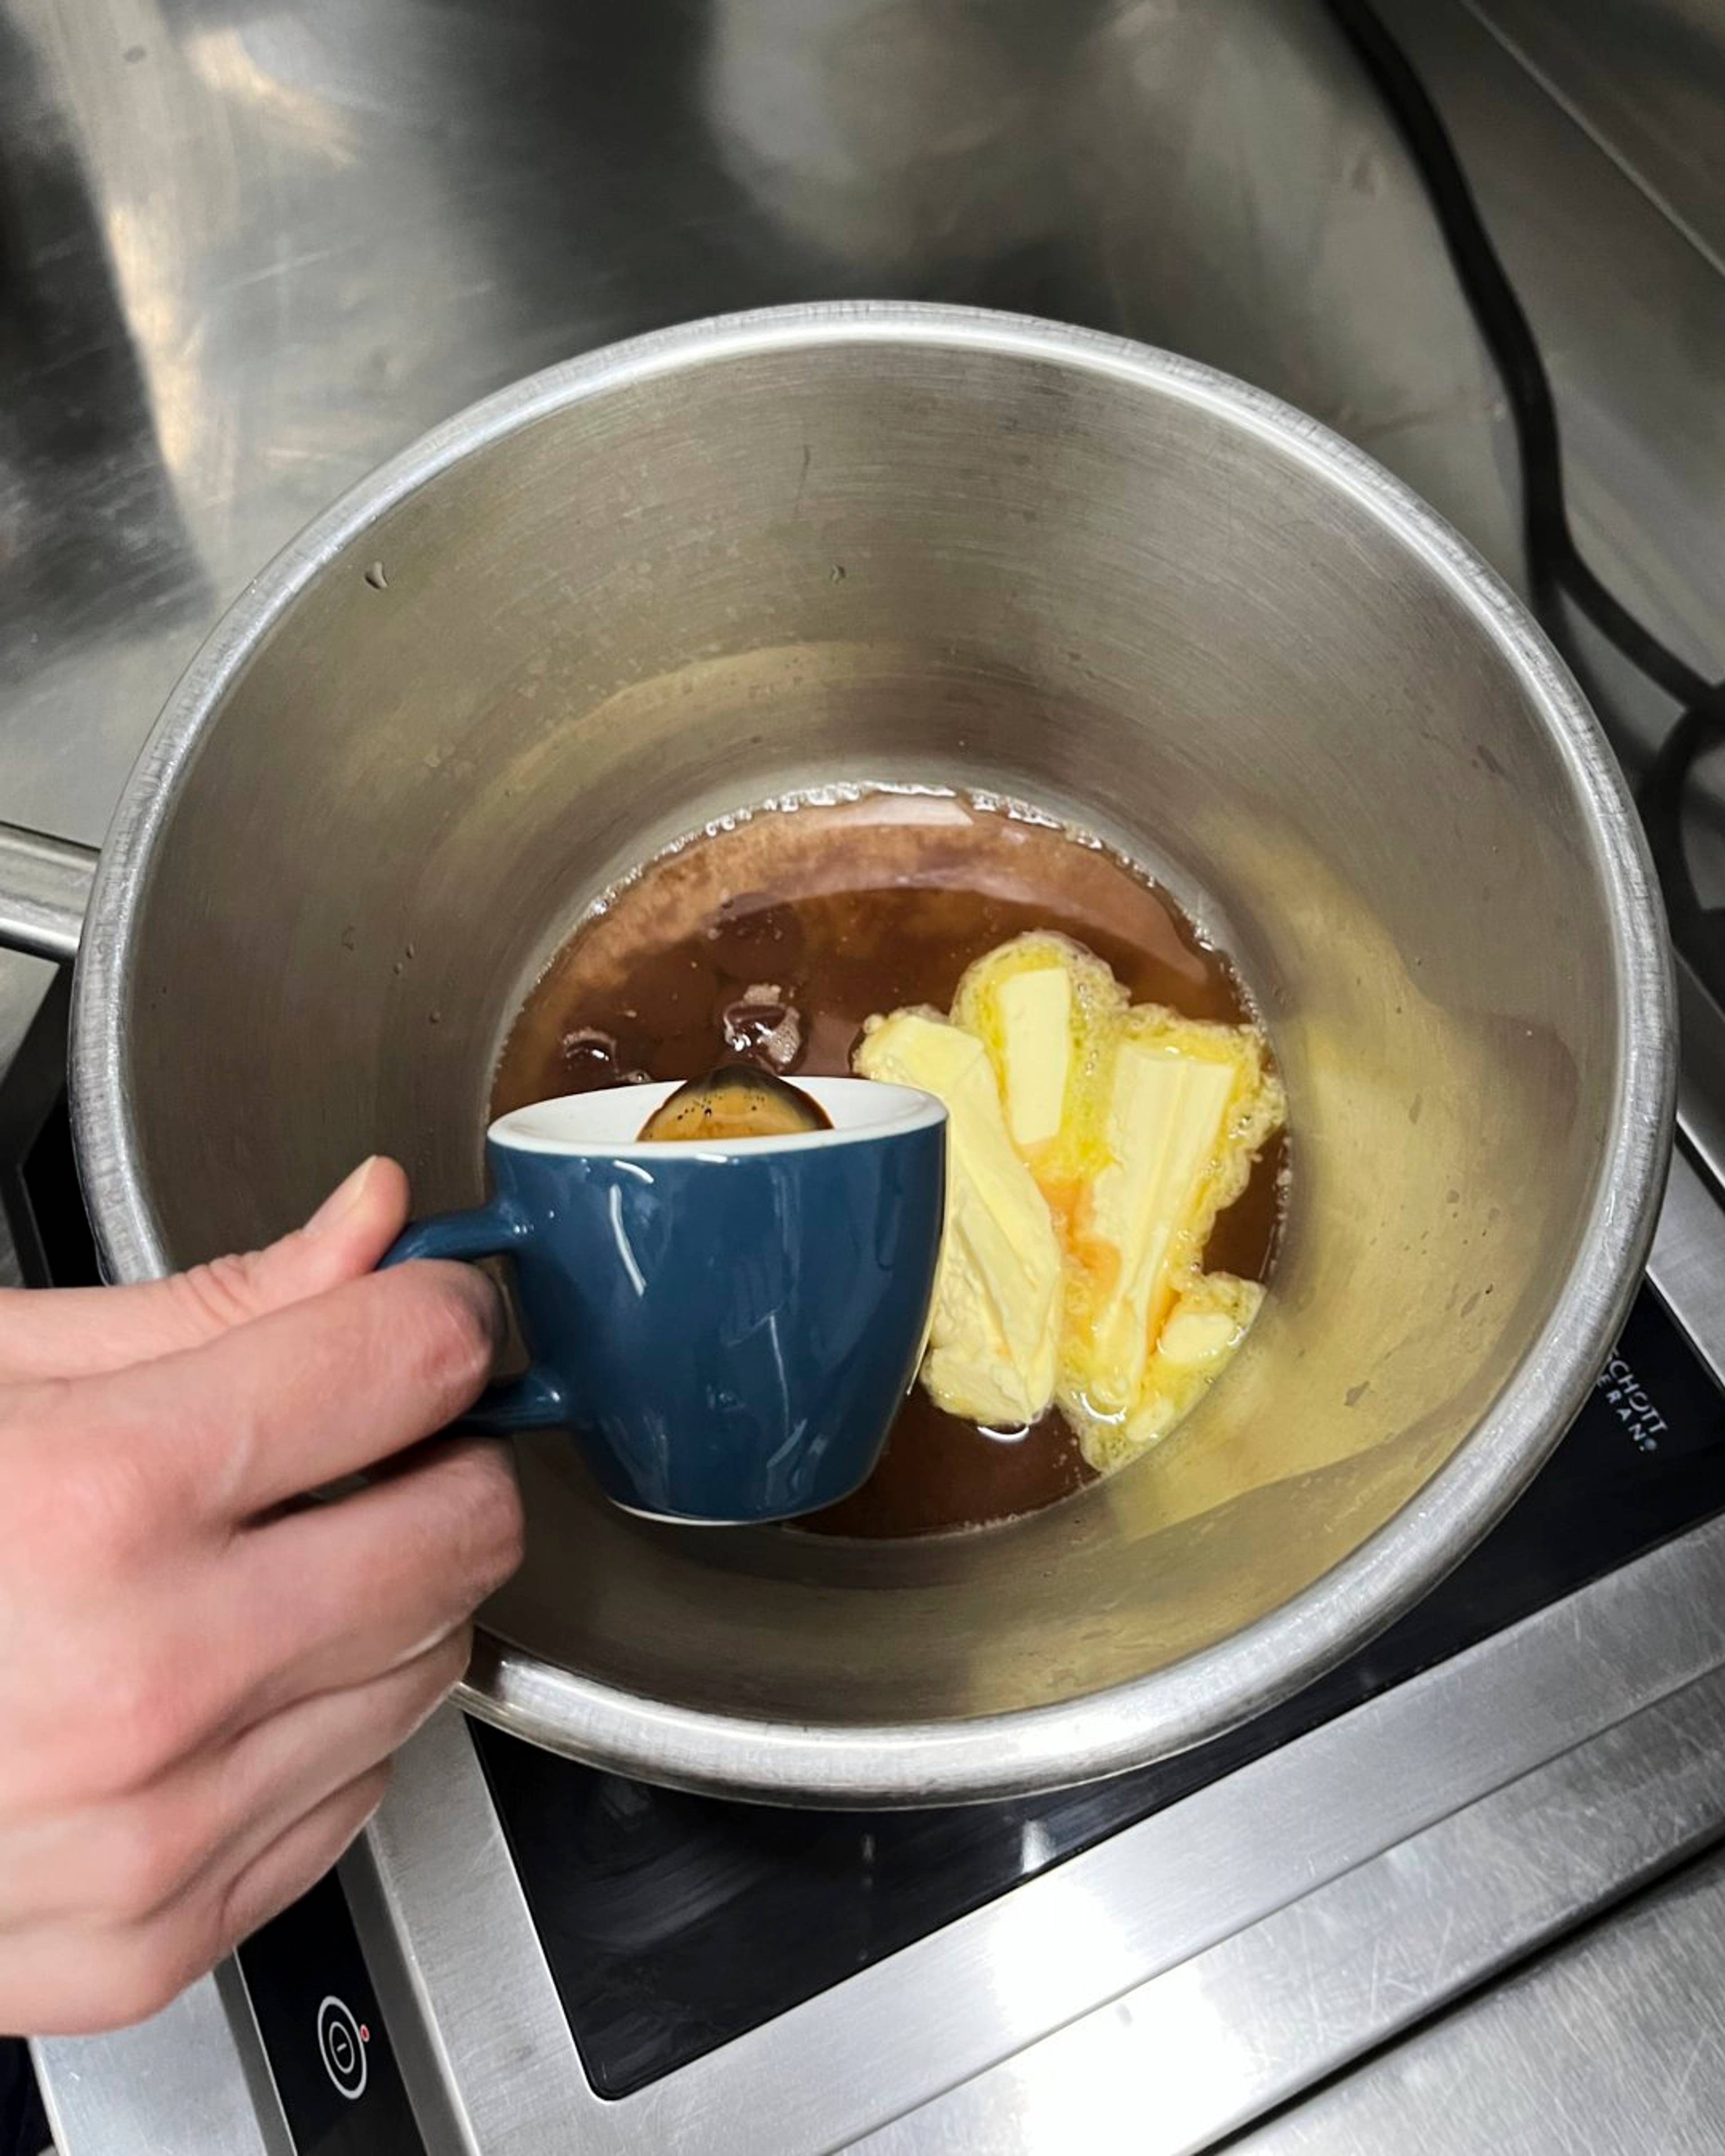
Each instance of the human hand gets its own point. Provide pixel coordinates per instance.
(201, 1681)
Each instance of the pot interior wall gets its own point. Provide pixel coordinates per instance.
(907, 562)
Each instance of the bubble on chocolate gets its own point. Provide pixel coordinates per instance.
(763, 1027)
(592, 1060)
(589, 1054)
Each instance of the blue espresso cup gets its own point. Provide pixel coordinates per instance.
(728, 1328)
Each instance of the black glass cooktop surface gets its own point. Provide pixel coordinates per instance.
(674, 1923)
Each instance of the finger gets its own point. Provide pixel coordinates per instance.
(219, 1637)
(59, 1980)
(281, 1874)
(303, 1396)
(127, 1861)
(338, 1594)
(285, 1768)
(79, 1331)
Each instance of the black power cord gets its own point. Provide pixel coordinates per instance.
(1556, 569)
(1698, 931)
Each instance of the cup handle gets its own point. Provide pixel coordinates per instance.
(534, 1400)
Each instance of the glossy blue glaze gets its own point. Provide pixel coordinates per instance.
(728, 1333)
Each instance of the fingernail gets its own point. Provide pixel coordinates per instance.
(341, 1200)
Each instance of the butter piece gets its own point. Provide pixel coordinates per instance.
(1035, 1011)
(1187, 1107)
(994, 1333)
(1046, 1009)
(1208, 1320)
(1166, 1115)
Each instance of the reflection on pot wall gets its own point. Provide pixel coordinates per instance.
(1240, 196)
(915, 141)
(1208, 178)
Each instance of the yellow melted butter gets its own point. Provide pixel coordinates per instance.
(1092, 1145)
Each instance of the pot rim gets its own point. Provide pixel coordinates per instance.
(1221, 1686)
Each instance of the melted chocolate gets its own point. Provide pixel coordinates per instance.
(777, 938)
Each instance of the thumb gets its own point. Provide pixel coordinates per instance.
(78, 1331)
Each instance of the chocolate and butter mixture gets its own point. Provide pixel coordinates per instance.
(775, 939)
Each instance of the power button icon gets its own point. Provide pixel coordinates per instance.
(342, 2046)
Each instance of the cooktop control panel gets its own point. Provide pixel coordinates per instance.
(323, 2032)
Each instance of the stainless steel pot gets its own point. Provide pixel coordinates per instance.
(913, 544)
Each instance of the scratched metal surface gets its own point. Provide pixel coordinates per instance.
(1612, 2046)
(246, 253)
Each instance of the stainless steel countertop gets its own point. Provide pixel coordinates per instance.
(249, 253)
(1612, 2045)
(244, 254)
